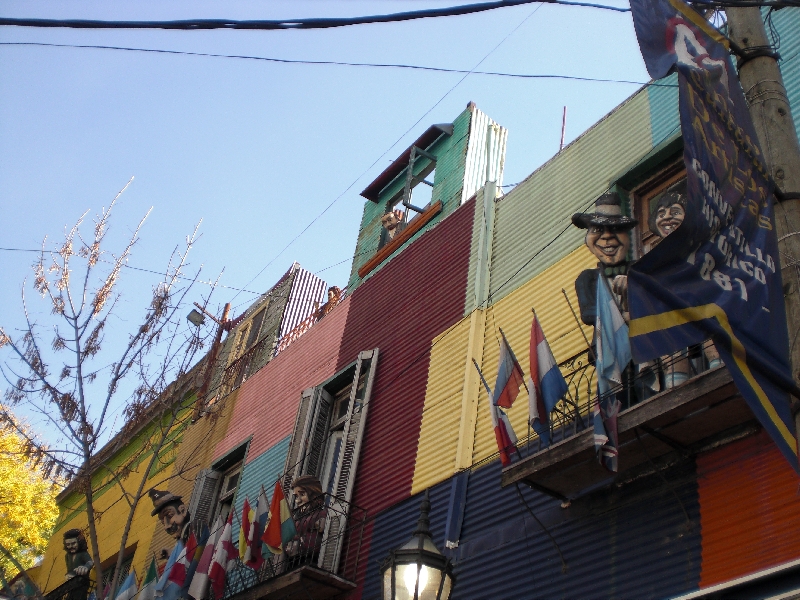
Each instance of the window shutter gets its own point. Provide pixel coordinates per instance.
(332, 540)
(302, 423)
(203, 493)
(318, 433)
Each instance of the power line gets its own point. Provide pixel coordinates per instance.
(332, 63)
(211, 283)
(375, 162)
(277, 24)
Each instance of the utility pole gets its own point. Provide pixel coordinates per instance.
(762, 83)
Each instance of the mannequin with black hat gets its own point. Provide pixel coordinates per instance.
(172, 513)
(608, 237)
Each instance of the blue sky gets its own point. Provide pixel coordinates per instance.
(257, 149)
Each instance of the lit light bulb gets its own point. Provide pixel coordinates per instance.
(410, 578)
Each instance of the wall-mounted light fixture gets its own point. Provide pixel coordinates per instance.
(417, 570)
(196, 318)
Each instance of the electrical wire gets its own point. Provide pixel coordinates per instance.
(309, 23)
(333, 63)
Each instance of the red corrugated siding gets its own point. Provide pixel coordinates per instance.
(268, 400)
(749, 509)
(419, 294)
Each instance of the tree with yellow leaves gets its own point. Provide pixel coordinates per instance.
(28, 508)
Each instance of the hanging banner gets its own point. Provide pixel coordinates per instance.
(717, 274)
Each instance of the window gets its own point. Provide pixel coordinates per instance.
(326, 442)
(645, 196)
(215, 488)
(109, 565)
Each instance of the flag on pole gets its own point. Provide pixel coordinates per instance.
(280, 528)
(547, 383)
(244, 529)
(181, 566)
(503, 433)
(164, 579)
(198, 588)
(613, 355)
(509, 376)
(253, 557)
(225, 555)
(129, 588)
(148, 591)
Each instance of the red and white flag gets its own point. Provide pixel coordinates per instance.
(198, 589)
(225, 555)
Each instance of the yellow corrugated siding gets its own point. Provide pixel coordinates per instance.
(513, 315)
(438, 437)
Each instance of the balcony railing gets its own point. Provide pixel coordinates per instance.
(76, 588)
(573, 414)
(322, 560)
(239, 370)
(656, 418)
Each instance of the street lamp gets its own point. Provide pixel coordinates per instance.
(417, 570)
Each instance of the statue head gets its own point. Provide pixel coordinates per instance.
(608, 231)
(668, 214)
(334, 293)
(306, 489)
(171, 511)
(74, 541)
(390, 221)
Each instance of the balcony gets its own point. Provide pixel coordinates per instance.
(76, 588)
(654, 429)
(321, 562)
(240, 369)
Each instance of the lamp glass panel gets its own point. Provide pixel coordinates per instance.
(432, 585)
(387, 584)
(448, 584)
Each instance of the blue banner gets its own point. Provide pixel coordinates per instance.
(717, 275)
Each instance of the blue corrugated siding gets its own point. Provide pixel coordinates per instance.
(629, 542)
(787, 22)
(262, 470)
(663, 97)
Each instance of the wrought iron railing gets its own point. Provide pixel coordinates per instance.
(240, 369)
(573, 414)
(76, 588)
(329, 536)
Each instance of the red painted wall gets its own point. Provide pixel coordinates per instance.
(268, 401)
(749, 509)
(400, 309)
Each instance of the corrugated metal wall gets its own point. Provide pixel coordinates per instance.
(448, 183)
(787, 22)
(486, 154)
(307, 289)
(265, 470)
(750, 509)
(633, 542)
(513, 315)
(438, 436)
(268, 400)
(532, 223)
(402, 320)
(194, 454)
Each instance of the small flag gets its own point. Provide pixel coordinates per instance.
(280, 528)
(509, 376)
(503, 433)
(244, 530)
(225, 555)
(148, 591)
(129, 588)
(613, 355)
(164, 579)
(253, 556)
(181, 566)
(198, 588)
(547, 383)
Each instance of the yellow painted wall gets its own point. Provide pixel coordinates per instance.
(193, 455)
(438, 441)
(513, 315)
